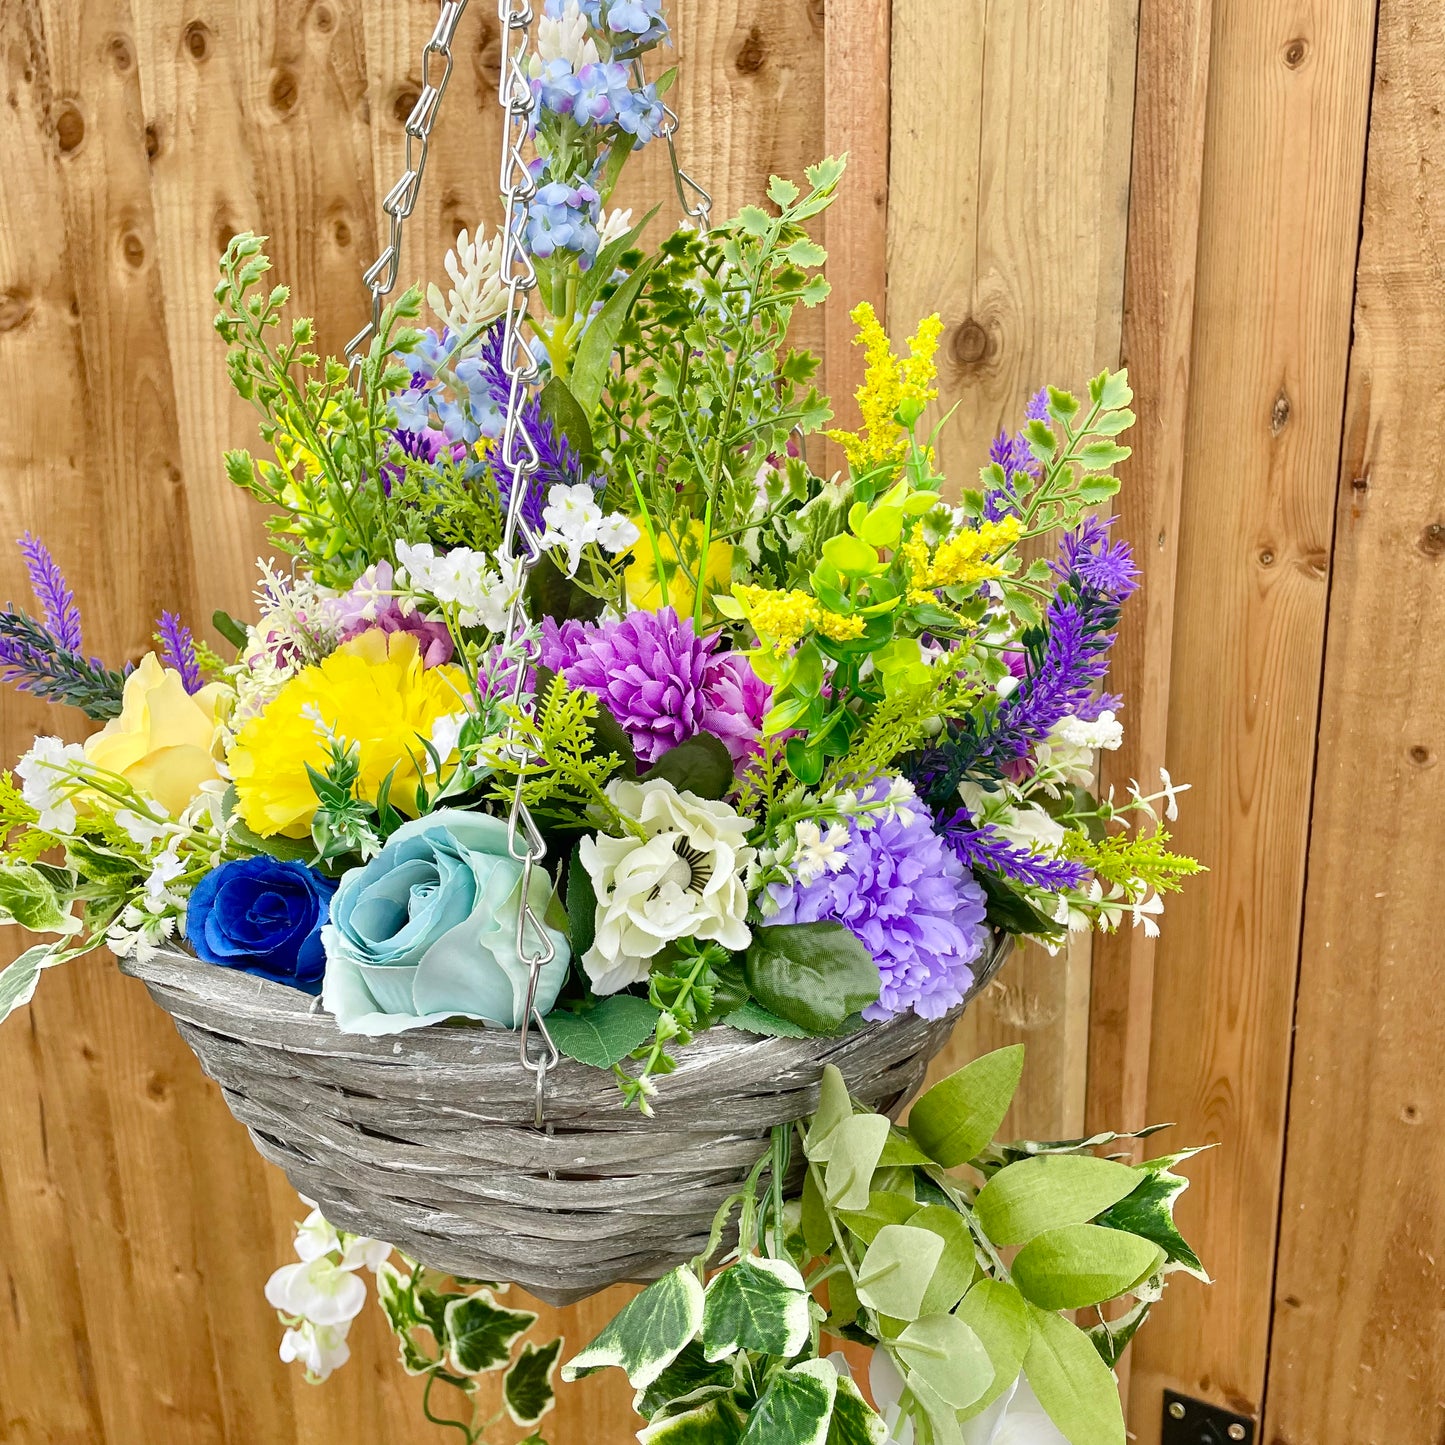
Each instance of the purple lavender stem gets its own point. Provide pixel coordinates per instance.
(178, 650)
(57, 601)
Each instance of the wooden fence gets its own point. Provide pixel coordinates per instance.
(1243, 199)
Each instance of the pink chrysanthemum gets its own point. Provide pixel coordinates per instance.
(660, 680)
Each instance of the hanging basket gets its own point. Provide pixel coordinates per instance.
(427, 1140)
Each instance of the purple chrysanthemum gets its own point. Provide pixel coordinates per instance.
(910, 902)
(983, 846)
(178, 650)
(660, 680)
(57, 601)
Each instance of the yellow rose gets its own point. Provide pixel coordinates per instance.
(645, 590)
(163, 742)
(372, 691)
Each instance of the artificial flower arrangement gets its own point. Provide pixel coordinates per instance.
(802, 746)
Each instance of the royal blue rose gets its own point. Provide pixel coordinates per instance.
(263, 916)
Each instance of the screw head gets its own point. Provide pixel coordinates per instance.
(1176, 1410)
(1235, 1432)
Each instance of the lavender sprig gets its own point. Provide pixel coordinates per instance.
(178, 650)
(57, 601)
(32, 659)
(983, 846)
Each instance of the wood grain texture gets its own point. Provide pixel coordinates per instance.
(1009, 218)
(1356, 1351)
(1169, 111)
(1283, 162)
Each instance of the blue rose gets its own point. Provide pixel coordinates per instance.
(264, 916)
(428, 931)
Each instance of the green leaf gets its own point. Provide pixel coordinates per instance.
(717, 1422)
(593, 362)
(527, 1387)
(581, 906)
(701, 765)
(28, 898)
(816, 975)
(606, 1033)
(758, 1304)
(959, 1115)
(562, 409)
(805, 252)
(647, 1334)
(1035, 1195)
(1102, 456)
(1076, 1388)
(1111, 1337)
(835, 1105)
(1097, 489)
(817, 1228)
(754, 221)
(1149, 1212)
(480, 1333)
(782, 193)
(552, 593)
(1111, 390)
(998, 1315)
(895, 1272)
(796, 1408)
(1082, 1264)
(753, 1018)
(233, 631)
(689, 1380)
(957, 1266)
(854, 1150)
(948, 1357)
(17, 982)
(855, 1421)
(899, 1151)
(883, 1208)
(398, 1304)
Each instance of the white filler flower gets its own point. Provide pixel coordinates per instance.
(682, 879)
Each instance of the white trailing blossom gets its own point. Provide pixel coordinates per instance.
(573, 519)
(464, 579)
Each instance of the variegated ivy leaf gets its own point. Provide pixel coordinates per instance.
(398, 1304)
(648, 1334)
(480, 1333)
(1076, 1388)
(796, 1408)
(758, 1304)
(527, 1387)
(30, 899)
(997, 1314)
(690, 1380)
(855, 1421)
(855, 1148)
(18, 981)
(946, 1355)
(1081, 1265)
(1001, 1155)
(1111, 1337)
(895, 1272)
(1035, 1195)
(1149, 1212)
(717, 1422)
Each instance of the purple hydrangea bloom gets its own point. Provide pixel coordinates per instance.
(178, 650)
(659, 679)
(910, 902)
(369, 604)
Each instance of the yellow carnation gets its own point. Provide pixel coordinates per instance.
(649, 592)
(372, 691)
(163, 742)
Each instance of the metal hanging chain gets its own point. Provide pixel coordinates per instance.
(696, 199)
(400, 200)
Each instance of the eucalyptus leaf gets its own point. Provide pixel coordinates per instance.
(948, 1356)
(883, 1208)
(957, 1267)
(648, 1333)
(527, 1389)
(758, 1304)
(480, 1333)
(1076, 1388)
(796, 1408)
(814, 974)
(606, 1033)
(855, 1148)
(1082, 1264)
(1035, 1195)
(855, 1421)
(835, 1105)
(998, 1315)
(895, 1272)
(959, 1115)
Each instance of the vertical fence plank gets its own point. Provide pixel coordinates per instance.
(1009, 217)
(1288, 96)
(1356, 1353)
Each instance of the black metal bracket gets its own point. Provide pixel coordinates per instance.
(1196, 1422)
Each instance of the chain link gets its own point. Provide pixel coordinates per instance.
(519, 454)
(400, 201)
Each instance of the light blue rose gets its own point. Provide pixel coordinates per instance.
(427, 931)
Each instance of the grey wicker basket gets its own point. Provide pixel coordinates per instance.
(427, 1139)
